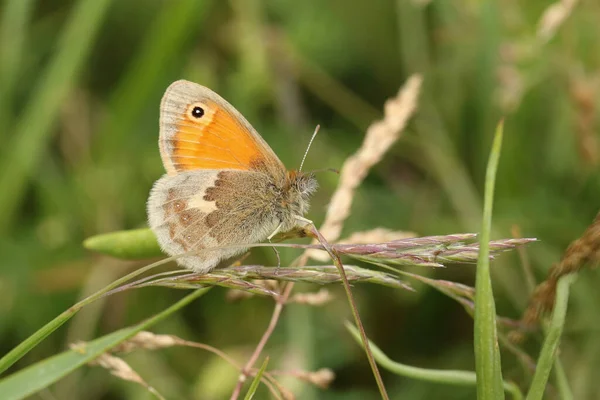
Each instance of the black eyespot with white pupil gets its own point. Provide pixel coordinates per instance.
(197, 112)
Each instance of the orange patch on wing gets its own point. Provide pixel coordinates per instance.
(214, 141)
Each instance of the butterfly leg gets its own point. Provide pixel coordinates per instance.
(275, 232)
(304, 257)
(305, 220)
(276, 255)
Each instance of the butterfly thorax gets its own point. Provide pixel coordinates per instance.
(293, 197)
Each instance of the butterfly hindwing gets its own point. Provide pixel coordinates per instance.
(196, 210)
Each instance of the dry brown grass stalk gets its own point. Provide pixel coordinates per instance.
(380, 136)
(323, 296)
(239, 294)
(511, 74)
(246, 370)
(584, 251)
(321, 378)
(553, 18)
(119, 368)
(583, 91)
(377, 235)
(149, 341)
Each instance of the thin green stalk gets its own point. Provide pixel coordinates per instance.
(550, 347)
(487, 353)
(338, 263)
(34, 127)
(24, 347)
(562, 383)
(451, 377)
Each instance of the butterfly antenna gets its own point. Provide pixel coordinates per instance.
(309, 144)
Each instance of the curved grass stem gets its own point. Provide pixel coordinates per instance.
(451, 377)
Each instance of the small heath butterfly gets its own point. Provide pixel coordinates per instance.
(224, 185)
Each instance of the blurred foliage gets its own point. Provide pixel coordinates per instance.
(80, 84)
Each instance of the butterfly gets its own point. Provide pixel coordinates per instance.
(224, 186)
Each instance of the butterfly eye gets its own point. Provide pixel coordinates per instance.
(197, 112)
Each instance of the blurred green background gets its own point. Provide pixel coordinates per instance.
(80, 85)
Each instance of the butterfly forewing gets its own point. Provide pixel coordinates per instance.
(200, 130)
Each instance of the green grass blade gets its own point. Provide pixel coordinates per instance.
(450, 377)
(487, 353)
(164, 42)
(23, 348)
(13, 29)
(256, 381)
(32, 131)
(135, 244)
(40, 375)
(550, 347)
